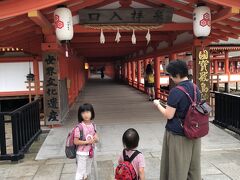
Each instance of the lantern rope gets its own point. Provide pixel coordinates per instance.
(123, 27)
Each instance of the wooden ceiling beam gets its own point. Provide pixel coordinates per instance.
(108, 45)
(228, 3)
(104, 3)
(214, 25)
(219, 32)
(149, 3)
(226, 28)
(175, 5)
(221, 37)
(16, 8)
(14, 20)
(27, 40)
(17, 35)
(15, 29)
(224, 14)
(164, 27)
(123, 39)
(38, 18)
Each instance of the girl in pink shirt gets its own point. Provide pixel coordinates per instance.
(130, 141)
(85, 139)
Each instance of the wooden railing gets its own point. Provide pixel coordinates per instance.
(227, 112)
(160, 93)
(24, 127)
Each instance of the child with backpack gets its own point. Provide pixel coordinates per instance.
(131, 161)
(85, 138)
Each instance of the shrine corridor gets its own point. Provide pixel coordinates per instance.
(117, 108)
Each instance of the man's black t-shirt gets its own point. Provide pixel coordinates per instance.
(179, 100)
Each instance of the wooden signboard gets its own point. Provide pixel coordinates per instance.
(129, 15)
(51, 89)
(203, 71)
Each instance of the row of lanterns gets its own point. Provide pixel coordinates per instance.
(64, 25)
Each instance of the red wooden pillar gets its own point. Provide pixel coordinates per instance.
(226, 62)
(215, 66)
(145, 64)
(128, 70)
(133, 72)
(157, 75)
(122, 71)
(36, 74)
(139, 73)
(227, 72)
(125, 71)
(172, 57)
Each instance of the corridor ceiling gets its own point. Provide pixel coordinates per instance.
(19, 30)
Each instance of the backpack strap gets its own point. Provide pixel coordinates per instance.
(81, 131)
(193, 101)
(94, 126)
(130, 159)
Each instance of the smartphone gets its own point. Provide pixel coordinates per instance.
(163, 103)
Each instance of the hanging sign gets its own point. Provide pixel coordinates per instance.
(51, 89)
(203, 71)
(118, 16)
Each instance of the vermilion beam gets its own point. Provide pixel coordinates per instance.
(14, 20)
(228, 3)
(112, 39)
(15, 8)
(225, 14)
(10, 30)
(77, 6)
(38, 18)
(163, 27)
(107, 45)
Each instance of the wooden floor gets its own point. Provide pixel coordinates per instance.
(119, 107)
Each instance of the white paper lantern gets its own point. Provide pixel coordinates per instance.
(201, 21)
(63, 24)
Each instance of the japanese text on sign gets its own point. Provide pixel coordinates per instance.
(203, 72)
(51, 88)
(112, 16)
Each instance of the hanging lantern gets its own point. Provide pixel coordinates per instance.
(63, 25)
(201, 21)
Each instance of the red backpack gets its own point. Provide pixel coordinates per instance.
(196, 122)
(125, 170)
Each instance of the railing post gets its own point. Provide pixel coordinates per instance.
(14, 119)
(157, 76)
(133, 72)
(139, 73)
(128, 71)
(2, 135)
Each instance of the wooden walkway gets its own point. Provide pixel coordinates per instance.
(119, 107)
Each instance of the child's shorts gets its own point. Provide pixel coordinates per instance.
(84, 165)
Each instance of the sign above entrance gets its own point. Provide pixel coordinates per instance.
(119, 16)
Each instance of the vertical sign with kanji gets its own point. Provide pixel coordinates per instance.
(51, 89)
(203, 71)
